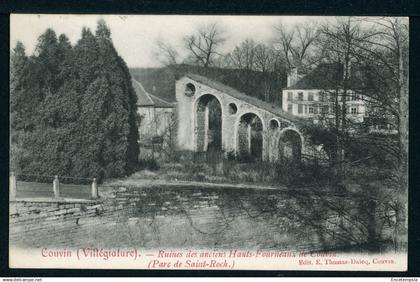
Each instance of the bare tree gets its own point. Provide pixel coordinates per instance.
(296, 44)
(283, 38)
(257, 62)
(389, 53)
(266, 62)
(373, 54)
(340, 46)
(204, 45)
(166, 53)
(265, 58)
(243, 55)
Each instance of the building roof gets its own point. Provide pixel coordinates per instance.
(241, 96)
(331, 75)
(160, 103)
(145, 99)
(324, 76)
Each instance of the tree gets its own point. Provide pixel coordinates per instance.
(18, 63)
(18, 101)
(297, 45)
(243, 56)
(203, 46)
(373, 57)
(121, 123)
(166, 53)
(257, 62)
(386, 60)
(82, 108)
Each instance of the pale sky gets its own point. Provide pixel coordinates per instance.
(134, 36)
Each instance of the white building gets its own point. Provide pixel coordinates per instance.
(313, 96)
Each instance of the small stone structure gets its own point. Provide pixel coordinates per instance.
(247, 123)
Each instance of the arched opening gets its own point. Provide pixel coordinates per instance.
(274, 124)
(233, 109)
(250, 138)
(290, 145)
(189, 89)
(208, 131)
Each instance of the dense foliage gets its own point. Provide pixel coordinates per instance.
(72, 108)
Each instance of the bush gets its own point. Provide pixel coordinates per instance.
(150, 164)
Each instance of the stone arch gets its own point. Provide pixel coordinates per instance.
(274, 124)
(290, 144)
(208, 113)
(250, 137)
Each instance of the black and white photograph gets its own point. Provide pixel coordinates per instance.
(208, 142)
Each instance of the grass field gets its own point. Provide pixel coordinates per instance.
(45, 190)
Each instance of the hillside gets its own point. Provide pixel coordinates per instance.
(161, 81)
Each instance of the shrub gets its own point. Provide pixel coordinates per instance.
(150, 164)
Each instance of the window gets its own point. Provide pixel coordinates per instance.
(310, 96)
(289, 96)
(321, 96)
(189, 90)
(353, 111)
(300, 96)
(311, 110)
(306, 109)
(316, 109)
(331, 98)
(290, 108)
(232, 108)
(325, 109)
(300, 109)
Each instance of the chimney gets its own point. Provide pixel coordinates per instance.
(292, 77)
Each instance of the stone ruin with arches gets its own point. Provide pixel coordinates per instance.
(211, 114)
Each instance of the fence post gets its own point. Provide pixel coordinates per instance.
(12, 187)
(94, 189)
(56, 187)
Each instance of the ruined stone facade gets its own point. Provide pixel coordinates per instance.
(242, 117)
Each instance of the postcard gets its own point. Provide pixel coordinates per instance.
(208, 142)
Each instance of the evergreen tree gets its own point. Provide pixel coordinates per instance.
(18, 63)
(18, 104)
(75, 107)
(120, 123)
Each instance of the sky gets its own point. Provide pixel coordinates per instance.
(135, 36)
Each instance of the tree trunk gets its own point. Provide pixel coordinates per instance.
(403, 120)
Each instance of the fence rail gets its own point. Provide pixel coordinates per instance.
(58, 182)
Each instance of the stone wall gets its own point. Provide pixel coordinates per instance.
(188, 216)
